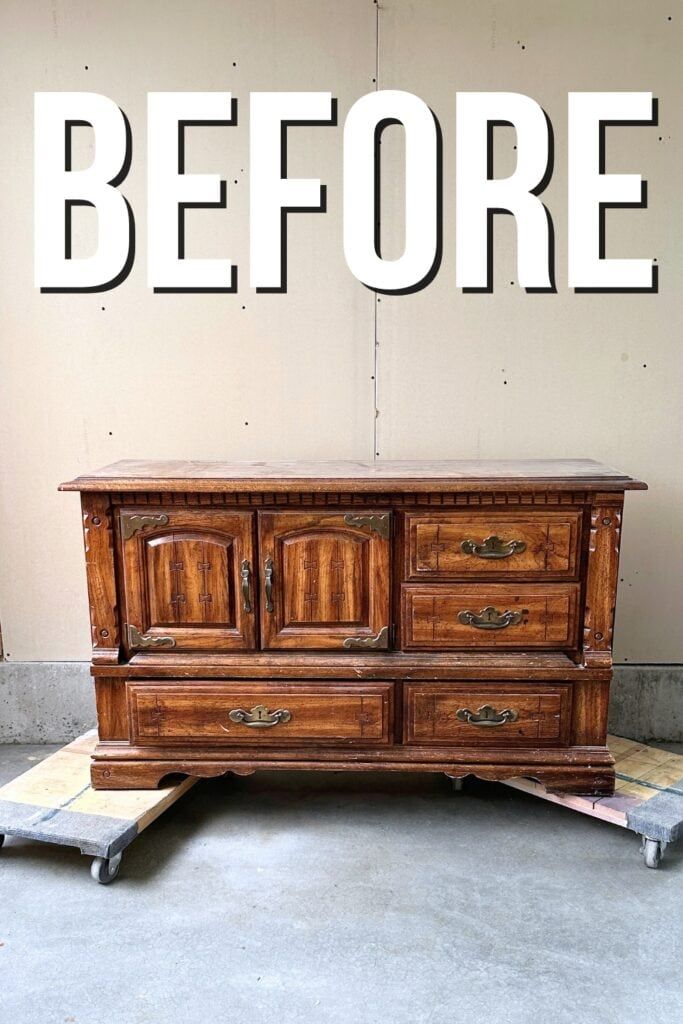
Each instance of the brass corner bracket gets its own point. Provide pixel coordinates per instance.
(380, 523)
(133, 523)
(375, 643)
(138, 639)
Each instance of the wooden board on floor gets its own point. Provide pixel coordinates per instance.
(54, 802)
(648, 796)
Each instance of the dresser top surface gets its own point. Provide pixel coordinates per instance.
(460, 474)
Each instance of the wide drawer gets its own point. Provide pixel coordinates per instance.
(489, 615)
(512, 714)
(448, 545)
(254, 714)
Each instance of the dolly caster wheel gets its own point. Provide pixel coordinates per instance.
(2, 838)
(652, 851)
(105, 869)
(458, 783)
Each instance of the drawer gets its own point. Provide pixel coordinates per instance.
(500, 714)
(448, 545)
(252, 714)
(489, 615)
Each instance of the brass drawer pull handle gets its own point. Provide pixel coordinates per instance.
(493, 547)
(259, 717)
(486, 715)
(491, 618)
(245, 574)
(268, 577)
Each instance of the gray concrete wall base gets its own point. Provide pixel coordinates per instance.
(45, 701)
(52, 702)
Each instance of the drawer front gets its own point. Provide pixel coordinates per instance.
(508, 715)
(489, 615)
(247, 714)
(444, 546)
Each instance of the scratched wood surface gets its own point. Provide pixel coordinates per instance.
(178, 476)
(642, 772)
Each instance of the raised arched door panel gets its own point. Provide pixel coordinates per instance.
(188, 579)
(324, 580)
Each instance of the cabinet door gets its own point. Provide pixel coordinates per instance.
(324, 580)
(188, 579)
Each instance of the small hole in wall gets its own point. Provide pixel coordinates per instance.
(236, 181)
(86, 67)
(110, 433)
(244, 307)
(246, 423)
(234, 63)
(645, 366)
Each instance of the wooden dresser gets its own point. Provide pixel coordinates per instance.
(441, 616)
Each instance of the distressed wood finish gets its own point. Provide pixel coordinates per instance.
(338, 714)
(353, 477)
(601, 582)
(541, 715)
(329, 580)
(547, 545)
(389, 646)
(182, 579)
(432, 615)
(98, 539)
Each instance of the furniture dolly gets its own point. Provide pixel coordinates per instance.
(54, 802)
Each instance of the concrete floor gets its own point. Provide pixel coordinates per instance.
(344, 899)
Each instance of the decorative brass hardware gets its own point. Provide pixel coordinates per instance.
(376, 643)
(132, 524)
(259, 717)
(268, 579)
(380, 523)
(491, 618)
(245, 574)
(138, 639)
(486, 715)
(493, 547)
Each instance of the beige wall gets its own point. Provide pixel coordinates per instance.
(292, 376)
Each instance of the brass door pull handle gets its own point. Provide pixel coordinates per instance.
(245, 575)
(259, 717)
(493, 547)
(486, 716)
(491, 618)
(268, 579)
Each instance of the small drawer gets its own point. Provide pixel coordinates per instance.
(489, 615)
(500, 714)
(249, 714)
(454, 544)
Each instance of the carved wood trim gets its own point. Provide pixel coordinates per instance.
(455, 499)
(98, 538)
(601, 583)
